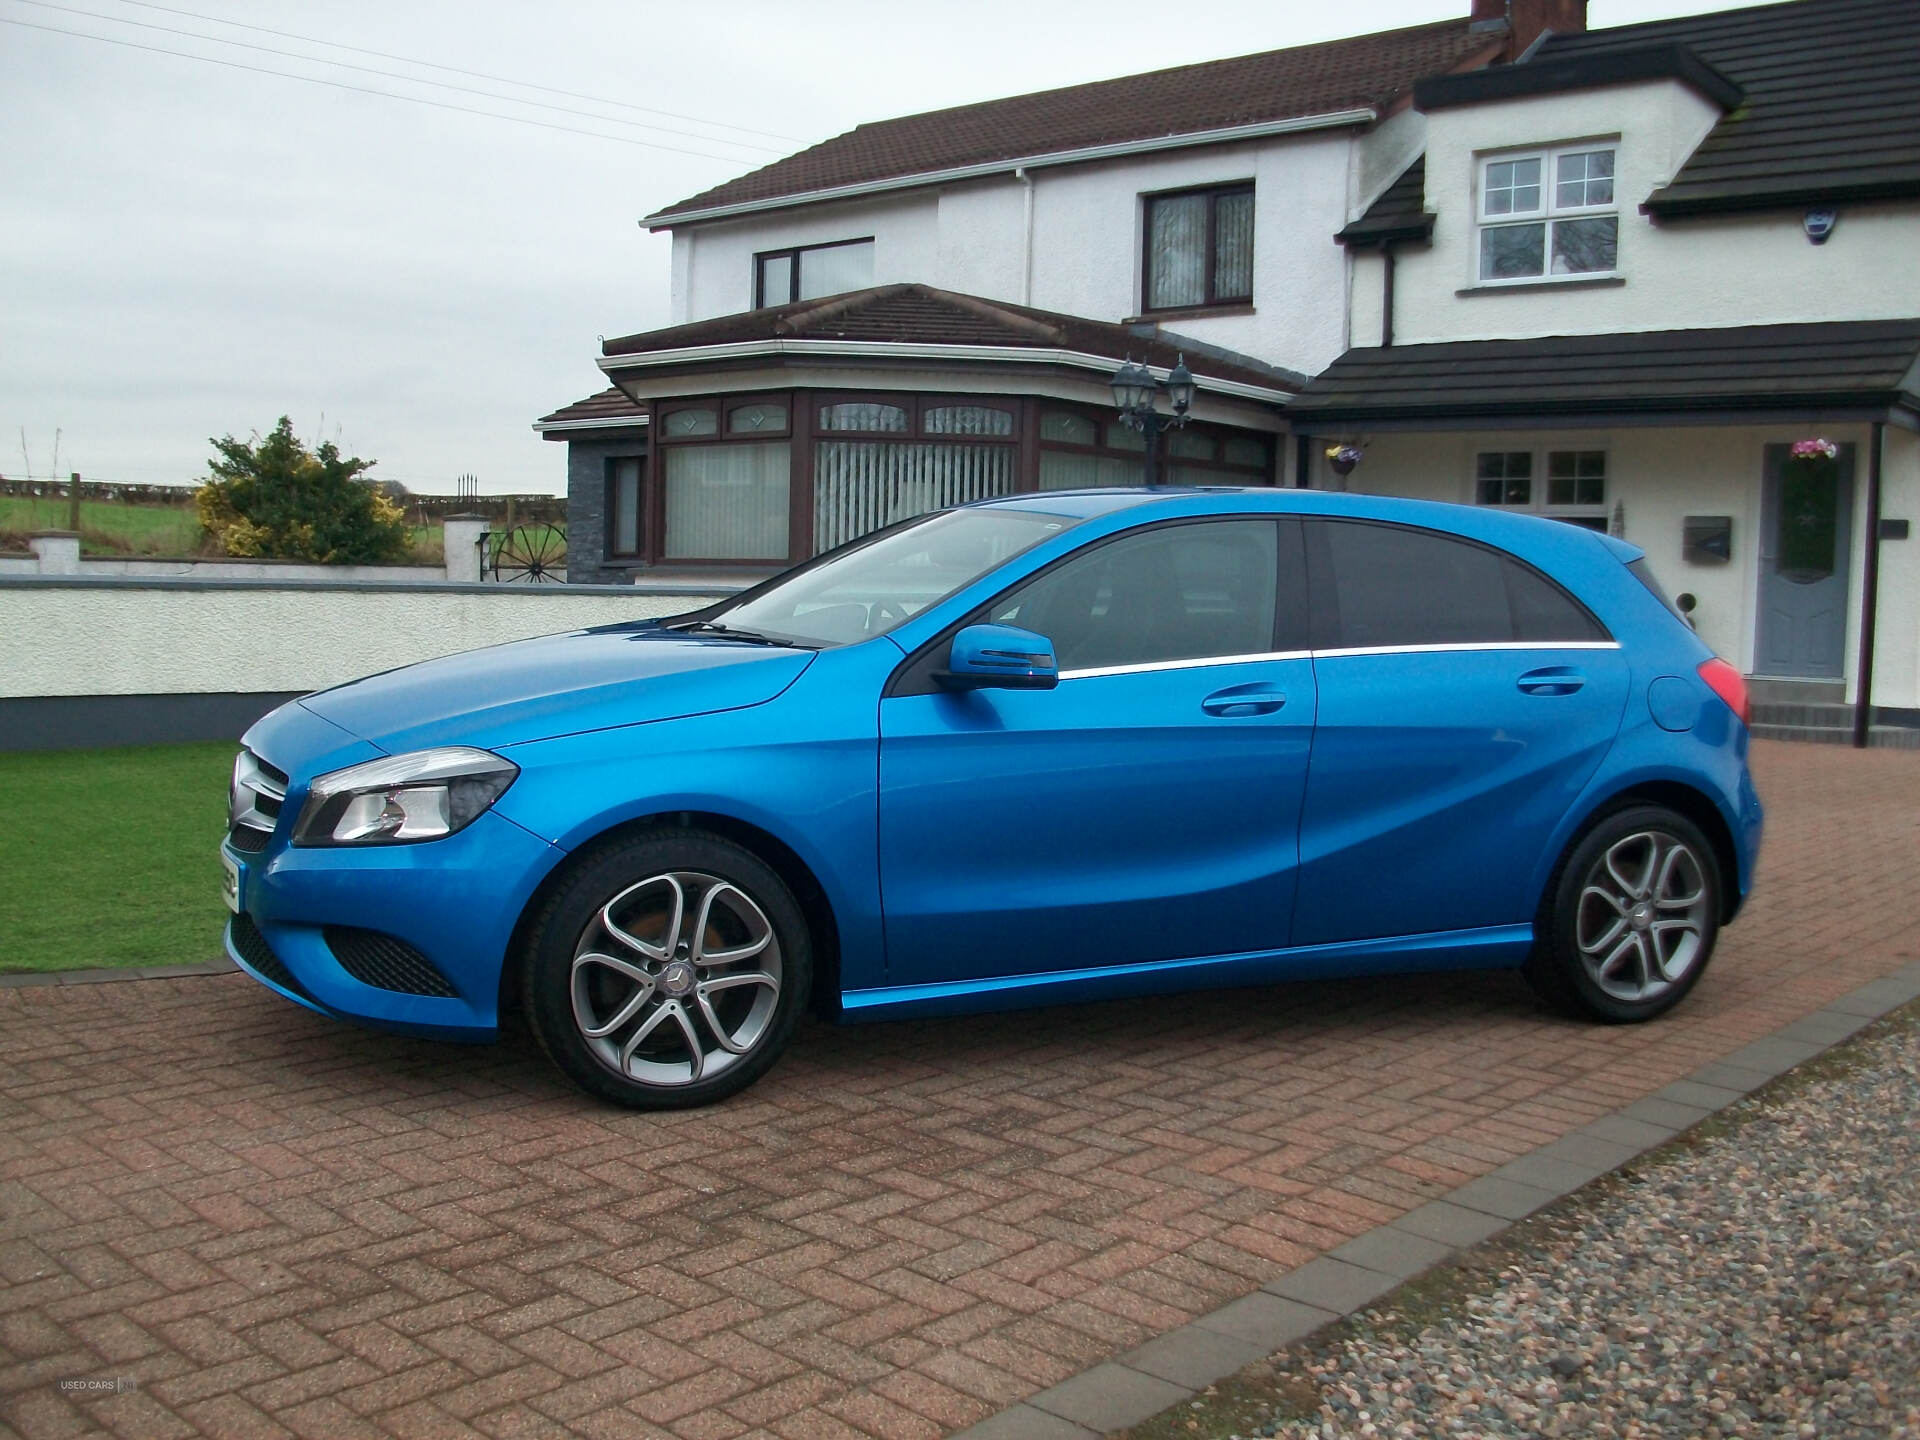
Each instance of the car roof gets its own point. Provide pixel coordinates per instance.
(1504, 528)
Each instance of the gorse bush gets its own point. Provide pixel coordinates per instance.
(277, 499)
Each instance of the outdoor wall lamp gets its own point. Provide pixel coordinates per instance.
(1136, 394)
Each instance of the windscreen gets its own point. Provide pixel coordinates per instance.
(867, 588)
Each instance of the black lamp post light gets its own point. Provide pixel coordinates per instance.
(1136, 395)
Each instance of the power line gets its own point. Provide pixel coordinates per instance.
(367, 90)
(396, 75)
(456, 70)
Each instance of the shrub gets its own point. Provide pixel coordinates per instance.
(276, 498)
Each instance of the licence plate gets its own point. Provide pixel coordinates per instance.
(230, 883)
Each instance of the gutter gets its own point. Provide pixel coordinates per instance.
(625, 422)
(1333, 119)
(911, 350)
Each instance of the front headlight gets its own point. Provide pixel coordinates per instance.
(403, 798)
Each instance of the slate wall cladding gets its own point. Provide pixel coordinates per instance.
(587, 459)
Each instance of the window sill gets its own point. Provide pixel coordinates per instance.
(1187, 312)
(1570, 282)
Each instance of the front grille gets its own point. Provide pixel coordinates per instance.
(386, 963)
(253, 809)
(255, 950)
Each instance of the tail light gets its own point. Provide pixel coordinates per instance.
(1729, 685)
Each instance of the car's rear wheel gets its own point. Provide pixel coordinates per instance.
(1630, 921)
(669, 970)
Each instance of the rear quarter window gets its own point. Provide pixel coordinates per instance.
(1385, 586)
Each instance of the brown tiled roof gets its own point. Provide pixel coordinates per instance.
(1337, 75)
(609, 407)
(1829, 365)
(921, 314)
(1830, 109)
(1399, 214)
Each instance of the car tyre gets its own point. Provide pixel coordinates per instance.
(668, 970)
(1630, 918)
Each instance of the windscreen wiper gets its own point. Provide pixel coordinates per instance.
(729, 632)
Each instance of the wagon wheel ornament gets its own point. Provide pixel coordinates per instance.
(530, 554)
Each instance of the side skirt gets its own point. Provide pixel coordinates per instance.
(1487, 948)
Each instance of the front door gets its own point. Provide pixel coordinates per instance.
(1806, 522)
(1145, 810)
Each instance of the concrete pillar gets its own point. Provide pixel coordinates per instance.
(463, 534)
(58, 551)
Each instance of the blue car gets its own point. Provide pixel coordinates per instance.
(1046, 748)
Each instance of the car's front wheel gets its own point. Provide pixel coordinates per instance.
(1630, 921)
(669, 970)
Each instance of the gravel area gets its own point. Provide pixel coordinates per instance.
(1760, 1278)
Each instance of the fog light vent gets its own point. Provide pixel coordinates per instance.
(255, 950)
(386, 963)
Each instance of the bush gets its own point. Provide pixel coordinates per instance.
(276, 498)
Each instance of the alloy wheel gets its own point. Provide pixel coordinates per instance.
(1643, 916)
(676, 979)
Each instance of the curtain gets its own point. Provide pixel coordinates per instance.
(626, 507)
(860, 485)
(835, 269)
(1233, 247)
(1063, 470)
(727, 502)
(1177, 251)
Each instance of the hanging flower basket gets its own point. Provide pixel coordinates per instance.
(1342, 458)
(1817, 448)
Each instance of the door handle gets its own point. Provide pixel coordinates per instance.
(1237, 701)
(1552, 680)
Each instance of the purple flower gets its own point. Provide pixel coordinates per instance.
(1819, 448)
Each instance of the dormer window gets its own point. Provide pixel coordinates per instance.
(1548, 214)
(807, 272)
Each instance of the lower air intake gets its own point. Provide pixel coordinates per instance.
(254, 949)
(386, 963)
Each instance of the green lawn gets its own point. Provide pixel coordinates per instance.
(111, 857)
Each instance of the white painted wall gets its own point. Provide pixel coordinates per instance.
(717, 258)
(121, 639)
(1747, 270)
(1086, 241)
(1662, 475)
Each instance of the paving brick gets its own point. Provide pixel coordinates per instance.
(901, 1223)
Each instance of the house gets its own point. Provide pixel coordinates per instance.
(1615, 277)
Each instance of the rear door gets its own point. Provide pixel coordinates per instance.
(1465, 701)
(1144, 810)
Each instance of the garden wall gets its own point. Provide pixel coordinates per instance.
(89, 661)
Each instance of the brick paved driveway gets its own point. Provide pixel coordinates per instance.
(273, 1223)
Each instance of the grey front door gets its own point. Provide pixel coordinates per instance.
(1806, 523)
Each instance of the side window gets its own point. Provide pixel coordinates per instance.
(1177, 592)
(1393, 585)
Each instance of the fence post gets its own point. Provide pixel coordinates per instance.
(73, 502)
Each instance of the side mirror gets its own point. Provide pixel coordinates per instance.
(999, 657)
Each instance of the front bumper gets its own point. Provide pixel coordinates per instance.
(455, 901)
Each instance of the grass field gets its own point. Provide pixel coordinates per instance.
(111, 527)
(107, 527)
(111, 857)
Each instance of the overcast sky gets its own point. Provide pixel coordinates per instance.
(190, 249)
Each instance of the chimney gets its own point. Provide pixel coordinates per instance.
(1528, 20)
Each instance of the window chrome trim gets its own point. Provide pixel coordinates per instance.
(1344, 651)
(1150, 666)
(1191, 664)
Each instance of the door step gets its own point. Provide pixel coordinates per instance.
(1796, 692)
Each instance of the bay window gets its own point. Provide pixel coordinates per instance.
(1547, 214)
(885, 459)
(727, 484)
(1199, 249)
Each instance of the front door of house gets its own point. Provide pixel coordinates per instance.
(1806, 521)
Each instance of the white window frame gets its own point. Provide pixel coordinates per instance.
(1540, 482)
(1547, 214)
